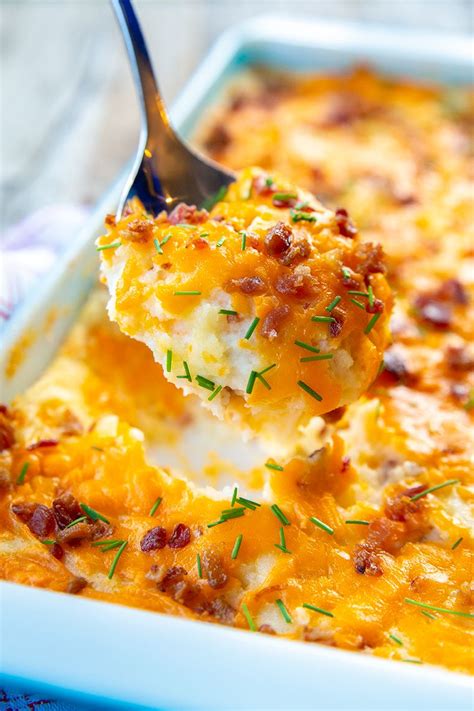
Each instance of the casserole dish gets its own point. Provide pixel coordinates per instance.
(37, 331)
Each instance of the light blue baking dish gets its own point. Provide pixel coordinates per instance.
(109, 654)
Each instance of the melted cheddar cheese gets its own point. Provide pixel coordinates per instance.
(256, 299)
(365, 529)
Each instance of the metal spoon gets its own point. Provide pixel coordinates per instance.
(166, 171)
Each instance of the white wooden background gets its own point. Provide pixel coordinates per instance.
(69, 117)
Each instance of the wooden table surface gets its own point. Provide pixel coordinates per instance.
(69, 116)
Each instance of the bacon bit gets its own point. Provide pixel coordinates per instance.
(5, 477)
(200, 243)
(24, 511)
(335, 327)
(42, 443)
(345, 225)
(350, 282)
(344, 109)
(7, 434)
(42, 522)
(335, 415)
(402, 508)
(66, 509)
(297, 283)
(57, 551)
(367, 561)
(452, 290)
(261, 187)
(221, 610)
(71, 425)
(214, 569)
(459, 392)
(76, 585)
(187, 214)
(395, 365)
(247, 285)
(173, 575)
(180, 537)
(404, 199)
(370, 259)
(287, 202)
(266, 629)
(138, 230)
(154, 539)
(299, 250)
(436, 313)
(376, 308)
(278, 239)
(110, 220)
(273, 321)
(345, 464)
(320, 635)
(459, 358)
(218, 139)
(79, 532)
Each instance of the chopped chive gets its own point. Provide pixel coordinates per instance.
(187, 372)
(265, 370)
(205, 382)
(469, 405)
(155, 506)
(284, 612)
(251, 382)
(428, 614)
(443, 610)
(321, 356)
(186, 225)
(321, 610)
(282, 548)
(455, 545)
(396, 640)
(48, 542)
(371, 295)
(228, 312)
(354, 292)
(106, 542)
(254, 375)
(246, 503)
(251, 328)
(169, 360)
(244, 240)
(94, 515)
(333, 303)
(116, 559)
(236, 548)
(280, 515)
(346, 272)
(357, 521)
(412, 661)
(284, 196)
(268, 182)
(320, 524)
(276, 467)
(220, 242)
(97, 449)
(323, 319)
(216, 523)
(307, 346)
(112, 245)
(21, 476)
(357, 303)
(157, 244)
(450, 482)
(187, 293)
(234, 512)
(234, 496)
(215, 393)
(248, 617)
(297, 216)
(204, 234)
(199, 565)
(214, 199)
(309, 390)
(282, 545)
(372, 323)
(110, 546)
(76, 520)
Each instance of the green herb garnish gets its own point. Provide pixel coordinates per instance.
(254, 375)
(317, 609)
(320, 524)
(187, 372)
(220, 242)
(112, 245)
(412, 661)
(456, 544)
(248, 617)
(284, 196)
(356, 521)
(199, 565)
(236, 548)
(276, 467)
(169, 360)
(333, 303)
(357, 303)
(371, 296)
(428, 615)
(298, 216)
(215, 393)
(307, 346)
(323, 319)
(187, 293)
(449, 482)
(248, 503)
(76, 520)
(155, 506)
(116, 559)
(358, 293)
(251, 328)
(49, 542)
(235, 493)
(443, 610)
(280, 515)
(209, 203)
(228, 312)
(284, 612)
(21, 476)
(159, 245)
(309, 390)
(107, 545)
(372, 323)
(244, 240)
(396, 640)
(282, 545)
(205, 382)
(322, 356)
(94, 515)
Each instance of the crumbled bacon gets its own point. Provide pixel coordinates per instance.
(170, 577)
(154, 539)
(370, 259)
(66, 509)
(100, 529)
(344, 223)
(138, 230)
(300, 249)
(214, 569)
(349, 280)
(24, 511)
(345, 107)
(76, 585)
(395, 365)
(284, 202)
(367, 560)
(247, 285)
(78, 532)
(459, 358)
(57, 551)
(42, 522)
(200, 243)
(180, 537)
(110, 220)
(218, 139)
(335, 415)
(263, 185)
(402, 508)
(273, 321)
(71, 425)
(375, 308)
(296, 283)
(278, 239)
(187, 214)
(221, 610)
(266, 629)
(42, 444)
(436, 313)
(7, 434)
(452, 290)
(335, 327)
